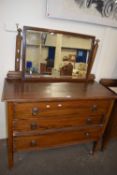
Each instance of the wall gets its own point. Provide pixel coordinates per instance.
(32, 13)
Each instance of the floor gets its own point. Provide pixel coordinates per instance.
(72, 160)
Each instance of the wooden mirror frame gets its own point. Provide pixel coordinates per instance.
(19, 72)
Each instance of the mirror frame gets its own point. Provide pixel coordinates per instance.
(89, 77)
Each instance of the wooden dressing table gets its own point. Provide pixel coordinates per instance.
(42, 115)
(52, 114)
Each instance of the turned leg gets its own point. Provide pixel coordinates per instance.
(93, 148)
(104, 142)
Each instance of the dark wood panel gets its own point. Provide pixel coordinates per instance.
(111, 129)
(108, 82)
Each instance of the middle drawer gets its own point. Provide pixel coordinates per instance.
(43, 123)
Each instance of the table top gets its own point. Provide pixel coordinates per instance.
(22, 91)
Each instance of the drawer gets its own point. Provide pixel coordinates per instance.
(46, 109)
(56, 139)
(42, 123)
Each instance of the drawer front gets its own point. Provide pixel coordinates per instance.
(47, 109)
(56, 122)
(56, 139)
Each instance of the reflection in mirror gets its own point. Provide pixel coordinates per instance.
(56, 54)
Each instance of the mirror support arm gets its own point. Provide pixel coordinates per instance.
(18, 50)
(92, 58)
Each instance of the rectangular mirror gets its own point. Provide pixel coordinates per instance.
(55, 54)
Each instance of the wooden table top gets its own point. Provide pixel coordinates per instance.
(22, 91)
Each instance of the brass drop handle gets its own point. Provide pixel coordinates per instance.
(35, 111)
(33, 126)
(94, 108)
(33, 143)
(89, 120)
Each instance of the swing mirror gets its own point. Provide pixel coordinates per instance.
(55, 54)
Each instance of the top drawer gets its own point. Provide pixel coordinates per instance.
(46, 109)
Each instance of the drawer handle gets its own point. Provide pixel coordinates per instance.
(47, 106)
(87, 134)
(59, 105)
(33, 126)
(35, 111)
(94, 108)
(89, 121)
(33, 143)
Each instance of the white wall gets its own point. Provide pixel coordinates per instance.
(32, 13)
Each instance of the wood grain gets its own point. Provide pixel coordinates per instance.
(56, 139)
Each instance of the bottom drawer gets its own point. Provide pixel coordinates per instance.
(56, 139)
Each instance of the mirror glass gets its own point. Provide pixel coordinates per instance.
(56, 54)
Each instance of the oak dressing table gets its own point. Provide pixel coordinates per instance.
(45, 111)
